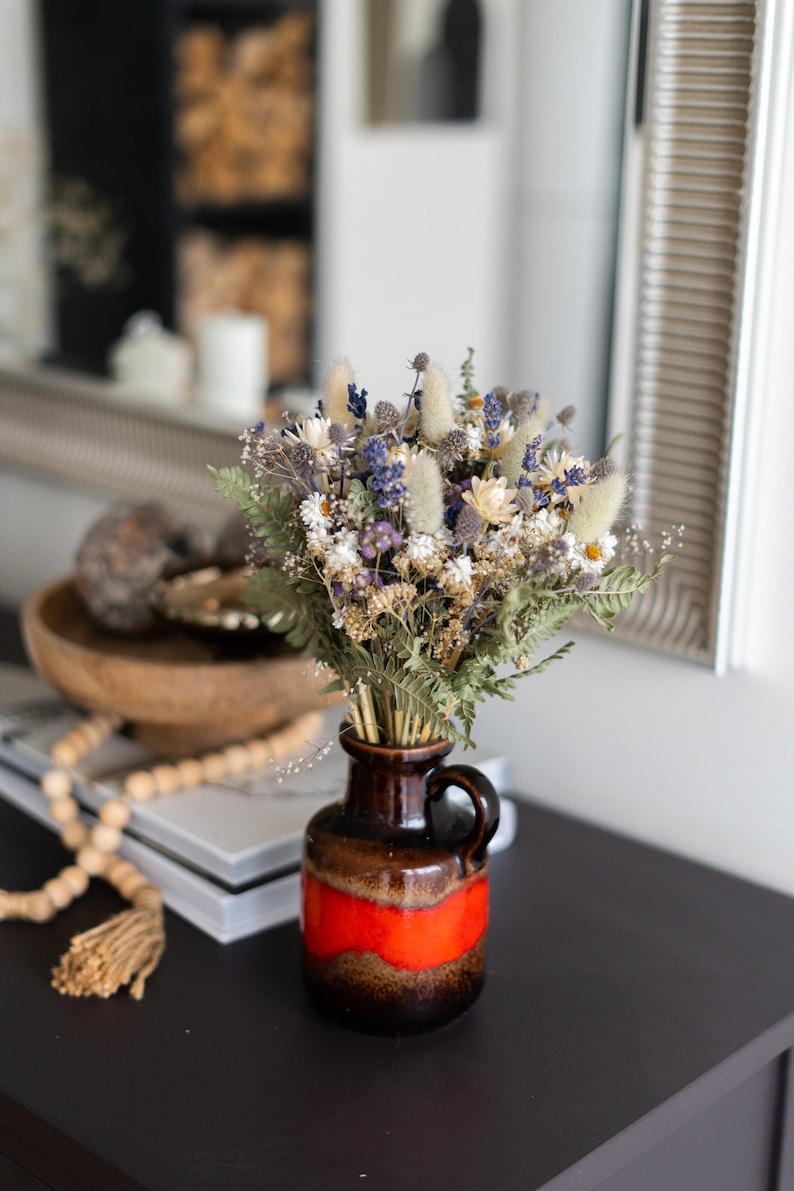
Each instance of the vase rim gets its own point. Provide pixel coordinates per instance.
(432, 749)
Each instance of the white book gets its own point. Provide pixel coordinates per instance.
(221, 913)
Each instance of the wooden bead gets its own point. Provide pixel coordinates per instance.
(78, 742)
(191, 773)
(74, 835)
(88, 736)
(60, 892)
(115, 813)
(237, 759)
(214, 766)
(63, 810)
(166, 779)
(76, 878)
(106, 838)
(140, 786)
(131, 884)
(41, 907)
(260, 752)
(118, 870)
(148, 897)
(64, 752)
(92, 860)
(56, 783)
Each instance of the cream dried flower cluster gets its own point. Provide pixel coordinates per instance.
(414, 547)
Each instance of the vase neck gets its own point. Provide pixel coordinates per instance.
(386, 786)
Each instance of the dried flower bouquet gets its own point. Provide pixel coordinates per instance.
(417, 548)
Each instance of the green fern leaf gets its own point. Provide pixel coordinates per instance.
(234, 483)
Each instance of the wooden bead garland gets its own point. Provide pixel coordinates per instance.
(127, 948)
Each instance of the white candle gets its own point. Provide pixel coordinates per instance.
(231, 358)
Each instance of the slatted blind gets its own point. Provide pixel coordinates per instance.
(698, 138)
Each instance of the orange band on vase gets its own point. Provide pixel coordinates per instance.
(414, 939)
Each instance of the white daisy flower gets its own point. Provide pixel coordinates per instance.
(315, 513)
(592, 557)
(456, 574)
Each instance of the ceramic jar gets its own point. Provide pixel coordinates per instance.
(395, 890)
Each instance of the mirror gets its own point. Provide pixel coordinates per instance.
(709, 144)
(497, 232)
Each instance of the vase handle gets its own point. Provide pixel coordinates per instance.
(484, 799)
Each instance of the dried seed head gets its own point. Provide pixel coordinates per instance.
(387, 415)
(602, 468)
(453, 445)
(468, 525)
(303, 458)
(420, 362)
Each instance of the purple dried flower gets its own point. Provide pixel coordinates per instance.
(420, 362)
(357, 402)
(377, 538)
(530, 461)
(492, 416)
(386, 477)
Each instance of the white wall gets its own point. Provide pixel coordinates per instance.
(656, 748)
(413, 221)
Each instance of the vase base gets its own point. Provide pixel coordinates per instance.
(366, 994)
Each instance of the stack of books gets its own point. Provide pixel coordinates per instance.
(227, 855)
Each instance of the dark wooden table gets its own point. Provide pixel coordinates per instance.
(634, 1035)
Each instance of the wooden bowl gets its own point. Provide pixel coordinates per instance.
(176, 695)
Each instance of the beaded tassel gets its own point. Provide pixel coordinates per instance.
(127, 948)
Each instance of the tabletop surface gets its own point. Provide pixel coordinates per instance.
(619, 977)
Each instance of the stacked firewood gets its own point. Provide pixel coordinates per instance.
(243, 111)
(256, 276)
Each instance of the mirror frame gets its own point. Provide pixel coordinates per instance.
(700, 204)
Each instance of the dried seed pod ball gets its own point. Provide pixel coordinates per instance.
(124, 554)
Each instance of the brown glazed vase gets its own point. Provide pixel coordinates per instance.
(394, 909)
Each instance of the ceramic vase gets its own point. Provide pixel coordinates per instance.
(395, 890)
